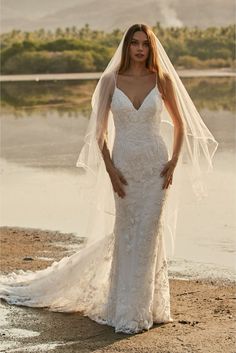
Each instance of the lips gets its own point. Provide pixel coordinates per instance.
(140, 55)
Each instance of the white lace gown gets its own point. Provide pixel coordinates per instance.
(122, 280)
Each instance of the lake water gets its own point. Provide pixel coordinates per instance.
(42, 129)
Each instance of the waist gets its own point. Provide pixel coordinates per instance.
(147, 135)
(134, 147)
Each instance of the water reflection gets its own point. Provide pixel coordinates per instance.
(213, 94)
(74, 96)
(64, 97)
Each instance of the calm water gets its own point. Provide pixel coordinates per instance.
(42, 128)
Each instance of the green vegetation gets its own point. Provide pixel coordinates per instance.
(85, 50)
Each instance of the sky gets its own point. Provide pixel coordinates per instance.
(110, 14)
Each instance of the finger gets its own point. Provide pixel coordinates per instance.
(121, 177)
(166, 169)
(118, 189)
(124, 181)
(120, 193)
(169, 176)
(163, 172)
(166, 183)
(170, 181)
(121, 190)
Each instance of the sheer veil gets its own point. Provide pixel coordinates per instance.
(98, 213)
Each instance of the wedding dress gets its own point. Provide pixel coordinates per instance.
(121, 280)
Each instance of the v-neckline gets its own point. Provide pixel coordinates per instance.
(130, 99)
(137, 110)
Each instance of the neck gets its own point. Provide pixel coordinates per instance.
(137, 69)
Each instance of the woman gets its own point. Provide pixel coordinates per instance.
(139, 171)
(120, 277)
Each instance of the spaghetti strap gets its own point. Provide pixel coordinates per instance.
(116, 74)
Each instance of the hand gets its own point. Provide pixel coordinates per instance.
(117, 180)
(168, 173)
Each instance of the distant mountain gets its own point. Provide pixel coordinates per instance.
(29, 15)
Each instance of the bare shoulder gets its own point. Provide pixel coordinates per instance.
(108, 81)
(169, 86)
(167, 78)
(108, 77)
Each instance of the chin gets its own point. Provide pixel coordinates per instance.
(140, 59)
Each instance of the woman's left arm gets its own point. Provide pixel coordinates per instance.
(172, 107)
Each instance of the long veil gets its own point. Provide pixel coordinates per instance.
(195, 161)
(80, 282)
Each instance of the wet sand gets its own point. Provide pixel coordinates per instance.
(203, 311)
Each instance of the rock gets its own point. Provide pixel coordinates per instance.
(184, 322)
(188, 322)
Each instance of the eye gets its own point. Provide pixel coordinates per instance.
(134, 42)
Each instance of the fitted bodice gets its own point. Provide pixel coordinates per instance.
(137, 131)
(144, 119)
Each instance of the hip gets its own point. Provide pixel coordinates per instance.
(140, 158)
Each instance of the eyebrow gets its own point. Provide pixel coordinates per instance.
(146, 40)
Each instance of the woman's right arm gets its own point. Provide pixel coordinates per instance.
(117, 179)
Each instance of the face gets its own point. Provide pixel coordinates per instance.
(139, 47)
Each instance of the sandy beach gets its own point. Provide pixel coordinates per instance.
(203, 311)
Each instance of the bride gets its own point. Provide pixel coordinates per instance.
(129, 193)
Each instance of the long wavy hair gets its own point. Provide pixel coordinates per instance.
(152, 62)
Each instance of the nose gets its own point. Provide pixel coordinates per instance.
(140, 47)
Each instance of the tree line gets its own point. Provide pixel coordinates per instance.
(84, 49)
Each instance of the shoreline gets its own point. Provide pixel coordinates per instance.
(218, 72)
(38, 248)
(204, 311)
